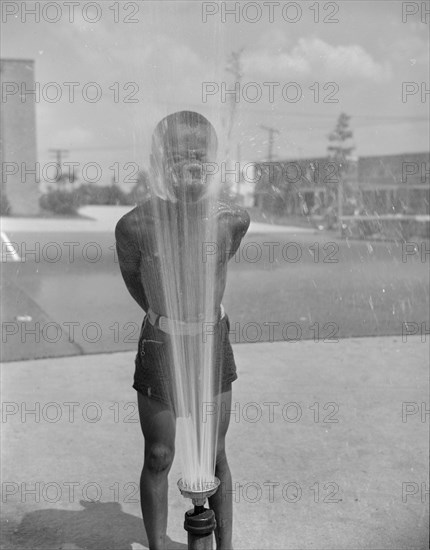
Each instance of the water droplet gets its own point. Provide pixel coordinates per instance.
(24, 318)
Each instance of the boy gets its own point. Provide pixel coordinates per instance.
(182, 143)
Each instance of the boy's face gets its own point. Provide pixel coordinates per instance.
(185, 152)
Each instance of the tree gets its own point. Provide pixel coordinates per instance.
(340, 152)
(341, 148)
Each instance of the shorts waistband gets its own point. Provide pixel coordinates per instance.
(173, 326)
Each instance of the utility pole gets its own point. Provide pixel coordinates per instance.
(234, 66)
(59, 156)
(272, 132)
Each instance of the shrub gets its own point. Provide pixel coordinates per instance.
(107, 194)
(4, 205)
(60, 202)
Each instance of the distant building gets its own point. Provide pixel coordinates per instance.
(296, 186)
(18, 150)
(239, 178)
(381, 184)
(395, 183)
(406, 168)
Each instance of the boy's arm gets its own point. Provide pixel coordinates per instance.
(129, 262)
(240, 224)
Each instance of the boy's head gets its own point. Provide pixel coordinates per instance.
(181, 145)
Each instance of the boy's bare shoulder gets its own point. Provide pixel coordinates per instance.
(131, 224)
(234, 213)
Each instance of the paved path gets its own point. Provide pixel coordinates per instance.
(320, 454)
(104, 218)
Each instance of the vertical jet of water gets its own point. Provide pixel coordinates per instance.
(184, 209)
(177, 229)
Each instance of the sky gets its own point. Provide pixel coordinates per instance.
(301, 63)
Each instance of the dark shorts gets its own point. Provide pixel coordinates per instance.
(154, 363)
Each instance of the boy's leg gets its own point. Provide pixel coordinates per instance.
(158, 425)
(221, 502)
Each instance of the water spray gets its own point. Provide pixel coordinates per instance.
(199, 522)
(186, 212)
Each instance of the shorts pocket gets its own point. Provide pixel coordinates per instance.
(149, 346)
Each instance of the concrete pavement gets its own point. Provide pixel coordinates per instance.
(104, 218)
(328, 448)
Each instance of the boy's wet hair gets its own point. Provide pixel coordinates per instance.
(167, 127)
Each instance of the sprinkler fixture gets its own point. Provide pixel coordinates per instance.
(199, 522)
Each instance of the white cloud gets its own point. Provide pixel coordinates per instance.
(68, 137)
(315, 58)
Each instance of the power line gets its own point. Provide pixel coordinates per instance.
(247, 107)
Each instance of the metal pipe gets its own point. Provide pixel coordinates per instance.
(199, 522)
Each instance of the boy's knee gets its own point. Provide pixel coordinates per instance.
(159, 457)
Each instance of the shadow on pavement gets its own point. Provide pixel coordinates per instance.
(99, 526)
